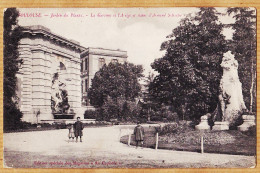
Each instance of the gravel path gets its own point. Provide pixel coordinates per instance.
(101, 148)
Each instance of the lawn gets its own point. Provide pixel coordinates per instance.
(188, 139)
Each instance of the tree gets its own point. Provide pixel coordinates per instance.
(148, 102)
(115, 88)
(244, 47)
(12, 35)
(190, 72)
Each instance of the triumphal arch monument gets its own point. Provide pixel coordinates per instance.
(49, 82)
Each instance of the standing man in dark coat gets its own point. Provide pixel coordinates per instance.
(139, 134)
(78, 129)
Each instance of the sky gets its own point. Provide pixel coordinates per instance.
(139, 31)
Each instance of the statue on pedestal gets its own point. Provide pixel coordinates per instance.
(231, 103)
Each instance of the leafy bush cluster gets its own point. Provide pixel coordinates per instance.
(251, 131)
(169, 128)
(176, 128)
(121, 109)
(164, 113)
(90, 114)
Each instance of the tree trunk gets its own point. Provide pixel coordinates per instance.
(184, 107)
(252, 87)
(149, 111)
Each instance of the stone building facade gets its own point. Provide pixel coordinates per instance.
(92, 59)
(45, 54)
(53, 64)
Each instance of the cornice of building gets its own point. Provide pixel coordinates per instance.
(45, 32)
(104, 52)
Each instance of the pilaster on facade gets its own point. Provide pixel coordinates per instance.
(25, 78)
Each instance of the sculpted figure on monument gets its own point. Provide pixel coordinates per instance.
(59, 96)
(219, 113)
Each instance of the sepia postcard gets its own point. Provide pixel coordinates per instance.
(129, 87)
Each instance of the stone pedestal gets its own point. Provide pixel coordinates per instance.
(248, 121)
(221, 125)
(203, 125)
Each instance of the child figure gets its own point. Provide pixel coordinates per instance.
(71, 132)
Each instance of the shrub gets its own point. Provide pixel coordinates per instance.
(164, 113)
(185, 126)
(156, 118)
(176, 128)
(60, 125)
(251, 131)
(26, 125)
(172, 117)
(237, 123)
(12, 116)
(46, 125)
(90, 114)
(142, 119)
(169, 128)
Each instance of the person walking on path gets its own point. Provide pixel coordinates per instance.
(139, 134)
(78, 129)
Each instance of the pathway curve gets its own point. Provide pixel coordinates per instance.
(104, 143)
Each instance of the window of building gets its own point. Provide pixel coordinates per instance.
(86, 64)
(81, 66)
(81, 87)
(101, 62)
(86, 85)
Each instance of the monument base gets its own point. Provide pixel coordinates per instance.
(249, 120)
(64, 116)
(203, 125)
(221, 125)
